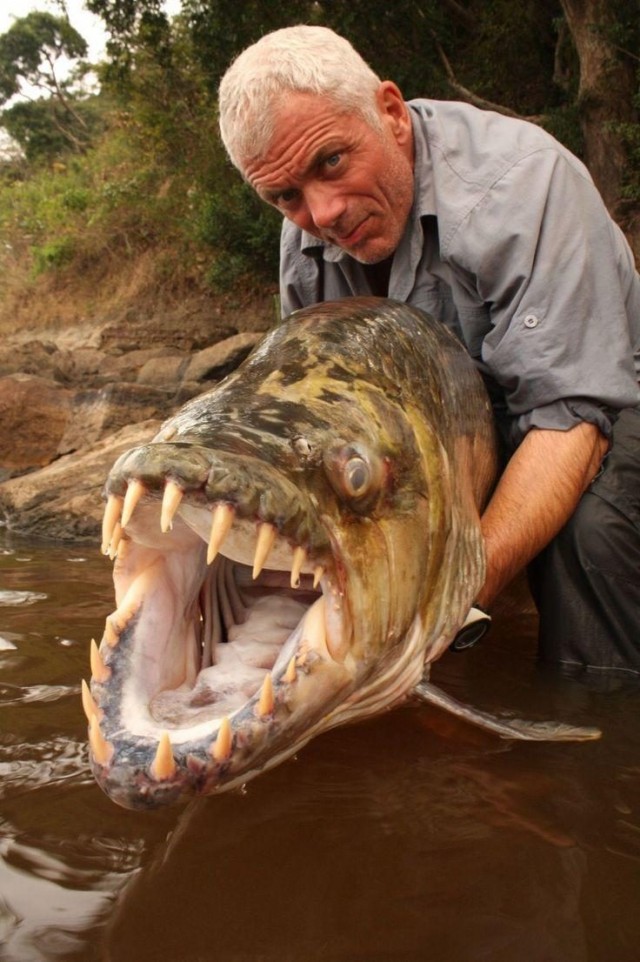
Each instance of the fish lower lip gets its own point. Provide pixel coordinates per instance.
(236, 654)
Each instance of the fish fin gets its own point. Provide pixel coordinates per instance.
(505, 727)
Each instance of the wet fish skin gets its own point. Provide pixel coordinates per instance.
(356, 443)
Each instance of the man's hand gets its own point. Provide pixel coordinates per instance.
(535, 496)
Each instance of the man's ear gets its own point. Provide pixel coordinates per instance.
(394, 112)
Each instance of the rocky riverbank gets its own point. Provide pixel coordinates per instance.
(72, 400)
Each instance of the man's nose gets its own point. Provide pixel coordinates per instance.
(325, 205)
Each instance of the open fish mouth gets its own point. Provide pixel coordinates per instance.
(222, 616)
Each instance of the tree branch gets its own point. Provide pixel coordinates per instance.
(470, 97)
(464, 16)
(59, 92)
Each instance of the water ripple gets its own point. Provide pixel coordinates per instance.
(13, 598)
(27, 767)
(47, 904)
(23, 694)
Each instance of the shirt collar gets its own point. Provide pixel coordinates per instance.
(424, 204)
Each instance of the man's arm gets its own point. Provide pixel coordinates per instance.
(535, 496)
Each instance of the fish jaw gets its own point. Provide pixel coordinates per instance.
(289, 551)
(175, 709)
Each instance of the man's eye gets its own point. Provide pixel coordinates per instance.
(287, 196)
(333, 160)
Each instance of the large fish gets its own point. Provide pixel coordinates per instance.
(291, 551)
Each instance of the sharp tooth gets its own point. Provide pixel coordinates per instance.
(221, 748)
(111, 635)
(171, 499)
(220, 527)
(290, 673)
(265, 704)
(99, 670)
(88, 703)
(135, 491)
(101, 749)
(318, 572)
(110, 519)
(266, 537)
(118, 620)
(313, 629)
(299, 558)
(116, 538)
(337, 632)
(164, 764)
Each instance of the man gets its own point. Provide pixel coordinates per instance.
(492, 226)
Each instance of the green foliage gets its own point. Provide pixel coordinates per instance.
(133, 26)
(397, 38)
(630, 134)
(76, 198)
(242, 230)
(508, 56)
(46, 128)
(564, 124)
(88, 210)
(53, 254)
(31, 47)
(29, 52)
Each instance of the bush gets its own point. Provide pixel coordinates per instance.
(53, 254)
(243, 231)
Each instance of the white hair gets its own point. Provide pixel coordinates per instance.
(300, 59)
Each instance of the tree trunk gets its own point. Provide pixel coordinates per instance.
(605, 99)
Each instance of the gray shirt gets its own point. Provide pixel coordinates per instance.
(510, 245)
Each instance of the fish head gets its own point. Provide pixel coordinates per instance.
(289, 551)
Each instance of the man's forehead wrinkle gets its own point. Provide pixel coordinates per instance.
(292, 154)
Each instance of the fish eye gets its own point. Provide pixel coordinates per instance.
(357, 475)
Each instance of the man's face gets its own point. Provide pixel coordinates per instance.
(337, 177)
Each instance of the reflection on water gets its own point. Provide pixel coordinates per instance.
(409, 837)
(65, 851)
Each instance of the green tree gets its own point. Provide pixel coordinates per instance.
(134, 26)
(30, 54)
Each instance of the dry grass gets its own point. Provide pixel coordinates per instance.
(149, 292)
(102, 290)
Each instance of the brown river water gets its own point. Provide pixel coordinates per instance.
(407, 838)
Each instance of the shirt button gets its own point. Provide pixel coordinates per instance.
(531, 320)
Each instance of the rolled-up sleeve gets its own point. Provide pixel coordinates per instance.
(547, 260)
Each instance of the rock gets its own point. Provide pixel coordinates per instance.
(133, 335)
(163, 372)
(215, 362)
(32, 358)
(63, 501)
(96, 414)
(34, 415)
